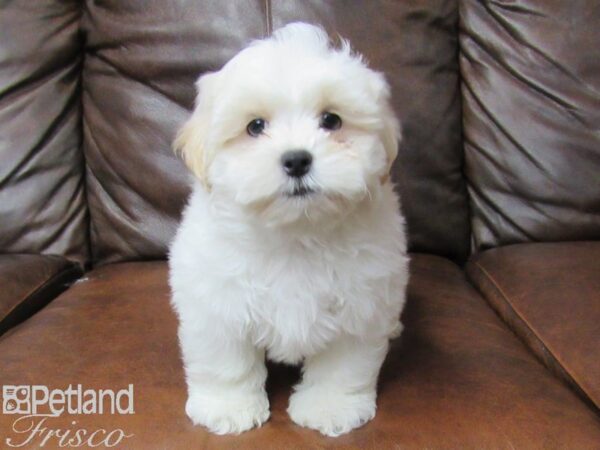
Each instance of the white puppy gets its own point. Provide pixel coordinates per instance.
(292, 246)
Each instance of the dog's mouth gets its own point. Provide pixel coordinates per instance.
(300, 190)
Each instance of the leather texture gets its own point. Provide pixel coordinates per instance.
(549, 294)
(42, 199)
(531, 105)
(457, 378)
(142, 58)
(29, 282)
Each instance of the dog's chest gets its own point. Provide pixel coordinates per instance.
(299, 298)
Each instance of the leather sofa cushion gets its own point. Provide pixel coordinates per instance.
(457, 378)
(28, 282)
(142, 58)
(549, 294)
(530, 82)
(42, 200)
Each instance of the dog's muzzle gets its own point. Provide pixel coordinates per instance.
(300, 190)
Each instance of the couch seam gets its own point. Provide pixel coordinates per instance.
(470, 247)
(268, 17)
(72, 267)
(548, 349)
(81, 124)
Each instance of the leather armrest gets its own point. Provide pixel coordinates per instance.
(549, 294)
(29, 282)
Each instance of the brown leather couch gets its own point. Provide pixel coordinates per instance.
(499, 174)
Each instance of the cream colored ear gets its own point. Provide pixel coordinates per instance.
(390, 135)
(191, 140)
(390, 132)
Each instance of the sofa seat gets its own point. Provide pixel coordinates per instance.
(456, 378)
(28, 282)
(549, 294)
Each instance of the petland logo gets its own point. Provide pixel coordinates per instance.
(38, 406)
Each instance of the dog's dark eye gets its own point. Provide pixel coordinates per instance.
(256, 127)
(330, 121)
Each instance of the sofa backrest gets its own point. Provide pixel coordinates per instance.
(42, 188)
(91, 96)
(531, 101)
(142, 58)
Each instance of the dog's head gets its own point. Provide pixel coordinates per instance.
(292, 128)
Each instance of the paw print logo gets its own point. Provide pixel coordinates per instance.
(16, 399)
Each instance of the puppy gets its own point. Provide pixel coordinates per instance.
(292, 246)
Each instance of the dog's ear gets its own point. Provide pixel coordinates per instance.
(390, 135)
(390, 132)
(191, 140)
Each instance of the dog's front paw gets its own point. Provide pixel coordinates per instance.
(331, 411)
(230, 414)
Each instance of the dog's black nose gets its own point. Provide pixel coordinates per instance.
(296, 163)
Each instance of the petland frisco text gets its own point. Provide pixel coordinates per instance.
(38, 406)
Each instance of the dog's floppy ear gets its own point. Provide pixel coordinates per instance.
(391, 137)
(390, 132)
(191, 141)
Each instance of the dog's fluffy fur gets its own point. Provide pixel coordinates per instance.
(256, 271)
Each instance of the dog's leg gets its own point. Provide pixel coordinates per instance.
(226, 381)
(338, 388)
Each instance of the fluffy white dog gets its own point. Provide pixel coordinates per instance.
(292, 246)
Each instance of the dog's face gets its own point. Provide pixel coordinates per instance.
(292, 129)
